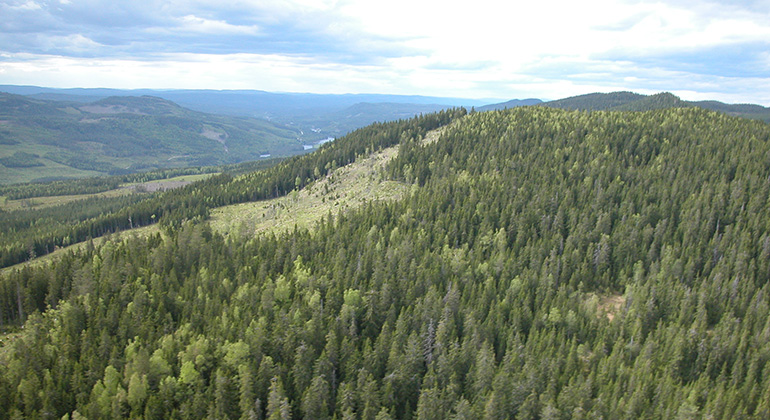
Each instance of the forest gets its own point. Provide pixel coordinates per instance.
(55, 139)
(547, 264)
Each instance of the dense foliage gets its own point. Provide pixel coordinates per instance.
(484, 294)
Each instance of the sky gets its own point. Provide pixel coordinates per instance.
(546, 49)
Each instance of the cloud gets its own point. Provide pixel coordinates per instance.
(484, 49)
(196, 24)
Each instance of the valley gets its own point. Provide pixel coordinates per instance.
(44, 140)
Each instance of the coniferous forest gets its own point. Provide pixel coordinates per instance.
(547, 264)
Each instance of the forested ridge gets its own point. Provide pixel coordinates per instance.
(548, 264)
(26, 234)
(629, 101)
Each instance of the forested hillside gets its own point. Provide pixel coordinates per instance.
(45, 140)
(629, 101)
(547, 264)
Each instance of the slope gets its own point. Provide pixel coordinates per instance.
(314, 116)
(509, 104)
(25, 234)
(52, 139)
(343, 190)
(595, 101)
(482, 293)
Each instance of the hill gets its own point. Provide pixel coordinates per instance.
(663, 100)
(532, 263)
(595, 101)
(337, 123)
(628, 101)
(314, 116)
(44, 139)
(509, 104)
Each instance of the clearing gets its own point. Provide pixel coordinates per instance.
(346, 188)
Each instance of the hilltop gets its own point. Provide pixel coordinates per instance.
(510, 104)
(628, 101)
(527, 263)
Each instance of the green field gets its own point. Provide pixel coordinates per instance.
(347, 187)
(124, 189)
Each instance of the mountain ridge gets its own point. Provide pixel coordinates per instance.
(631, 101)
(116, 135)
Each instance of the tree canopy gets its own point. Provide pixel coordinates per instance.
(547, 264)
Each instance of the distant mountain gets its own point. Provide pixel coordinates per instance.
(144, 105)
(629, 101)
(595, 101)
(315, 116)
(753, 111)
(340, 122)
(510, 104)
(45, 139)
(663, 100)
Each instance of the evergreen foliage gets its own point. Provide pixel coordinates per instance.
(629, 101)
(484, 294)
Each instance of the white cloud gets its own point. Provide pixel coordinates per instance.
(212, 27)
(27, 6)
(74, 42)
(548, 48)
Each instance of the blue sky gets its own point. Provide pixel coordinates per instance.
(547, 49)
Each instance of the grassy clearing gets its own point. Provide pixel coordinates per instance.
(43, 202)
(50, 169)
(346, 188)
(611, 305)
(125, 189)
(181, 178)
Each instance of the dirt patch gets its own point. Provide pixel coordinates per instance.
(110, 109)
(433, 136)
(92, 120)
(214, 135)
(159, 186)
(611, 305)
